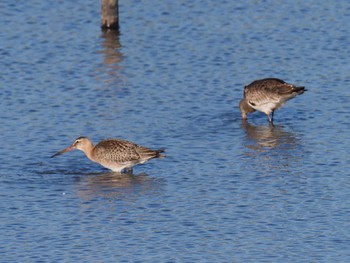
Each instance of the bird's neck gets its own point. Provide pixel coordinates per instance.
(245, 107)
(88, 150)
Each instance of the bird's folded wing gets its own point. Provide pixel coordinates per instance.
(121, 151)
(261, 96)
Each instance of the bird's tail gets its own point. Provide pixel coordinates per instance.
(159, 153)
(299, 90)
(150, 154)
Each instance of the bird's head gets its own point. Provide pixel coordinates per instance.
(245, 108)
(81, 143)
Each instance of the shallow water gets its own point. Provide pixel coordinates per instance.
(228, 191)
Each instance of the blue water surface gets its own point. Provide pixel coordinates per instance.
(228, 191)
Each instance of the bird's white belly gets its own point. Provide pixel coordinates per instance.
(266, 107)
(117, 167)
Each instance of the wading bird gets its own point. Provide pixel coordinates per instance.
(114, 154)
(267, 95)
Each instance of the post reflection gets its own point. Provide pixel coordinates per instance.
(112, 56)
(111, 47)
(113, 185)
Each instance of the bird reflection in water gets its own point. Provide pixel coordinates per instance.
(274, 149)
(113, 185)
(261, 138)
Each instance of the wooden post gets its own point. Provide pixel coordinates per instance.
(109, 14)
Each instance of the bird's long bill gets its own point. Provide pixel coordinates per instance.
(63, 151)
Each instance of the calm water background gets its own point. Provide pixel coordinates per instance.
(227, 192)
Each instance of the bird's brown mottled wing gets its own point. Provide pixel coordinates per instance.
(284, 89)
(261, 93)
(118, 151)
(288, 91)
(271, 92)
(266, 82)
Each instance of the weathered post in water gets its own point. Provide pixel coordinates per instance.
(109, 14)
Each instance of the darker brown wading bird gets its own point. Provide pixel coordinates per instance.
(267, 95)
(114, 154)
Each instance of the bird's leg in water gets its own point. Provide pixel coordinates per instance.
(271, 117)
(128, 170)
